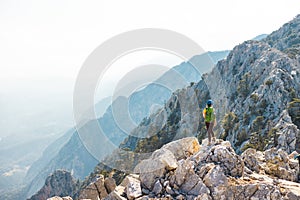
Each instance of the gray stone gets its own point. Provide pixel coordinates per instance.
(157, 187)
(145, 191)
(169, 190)
(94, 190)
(117, 194)
(133, 188)
(110, 184)
(155, 167)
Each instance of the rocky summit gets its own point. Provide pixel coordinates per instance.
(206, 172)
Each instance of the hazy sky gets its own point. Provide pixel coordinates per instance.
(53, 37)
(42, 42)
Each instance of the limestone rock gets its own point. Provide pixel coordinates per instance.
(94, 190)
(133, 187)
(117, 194)
(157, 188)
(110, 184)
(216, 180)
(184, 167)
(274, 162)
(223, 154)
(155, 167)
(183, 147)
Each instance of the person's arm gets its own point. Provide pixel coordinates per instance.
(204, 113)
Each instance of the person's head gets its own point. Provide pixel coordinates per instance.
(209, 103)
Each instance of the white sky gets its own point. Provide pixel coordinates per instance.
(45, 41)
(53, 38)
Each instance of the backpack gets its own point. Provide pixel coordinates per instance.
(209, 114)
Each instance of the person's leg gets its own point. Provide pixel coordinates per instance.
(211, 127)
(208, 132)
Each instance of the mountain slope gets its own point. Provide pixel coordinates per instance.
(47, 156)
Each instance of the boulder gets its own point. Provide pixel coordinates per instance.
(94, 190)
(133, 187)
(183, 147)
(117, 194)
(184, 167)
(155, 167)
(217, 182)
(157, 187)
(110, 184)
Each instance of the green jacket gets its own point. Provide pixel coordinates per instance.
(209, 114)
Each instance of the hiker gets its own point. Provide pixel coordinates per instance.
(210, 120)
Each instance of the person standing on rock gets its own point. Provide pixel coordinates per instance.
(210, 120)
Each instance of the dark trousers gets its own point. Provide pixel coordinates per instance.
(209, 128)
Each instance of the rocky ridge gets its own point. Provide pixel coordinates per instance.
(60, 183)
(208, 172)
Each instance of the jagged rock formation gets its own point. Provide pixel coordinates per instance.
(60, 183)
(211, 172)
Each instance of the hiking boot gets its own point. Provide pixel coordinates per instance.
(214, 139)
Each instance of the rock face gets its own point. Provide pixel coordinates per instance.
(60, 183)
(213, 172)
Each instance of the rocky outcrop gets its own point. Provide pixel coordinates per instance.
(212, 172)
(272, 162)
(98, 189)
(165, 159)
(60, 183)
